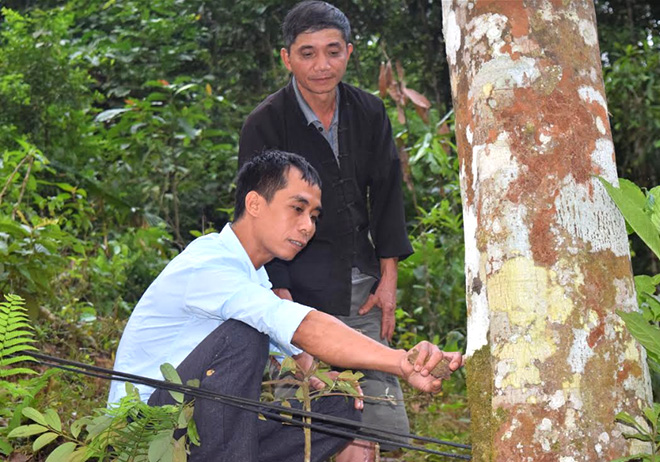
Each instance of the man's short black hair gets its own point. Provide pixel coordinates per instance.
(313, 16)
(267, 173)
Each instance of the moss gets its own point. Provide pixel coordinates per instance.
(550, 78)
(480, 397)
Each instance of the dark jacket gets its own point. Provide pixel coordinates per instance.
(369, 169)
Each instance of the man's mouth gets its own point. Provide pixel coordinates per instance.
(300, 244)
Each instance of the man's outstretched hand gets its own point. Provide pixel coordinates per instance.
(425, 366)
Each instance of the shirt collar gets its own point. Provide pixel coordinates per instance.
(233, 244)
(307, 111)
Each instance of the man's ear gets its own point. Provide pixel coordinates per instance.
(253, 203)
(284, 54)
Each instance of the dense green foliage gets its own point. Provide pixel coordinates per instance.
(641, 210)
(119, 124)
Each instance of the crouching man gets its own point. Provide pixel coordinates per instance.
(211, 313)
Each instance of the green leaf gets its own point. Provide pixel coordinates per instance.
(288, 364)
(323, 376)
(27, 430)
(53, 420)
(170, 373)
(627, 419)
(16, 371)
(44, 440)
(192, 431)
(98, 426)
(79, 455)
(32, 414)
(14, 229)
(62, 453)
(77, 425)
(627, 199)
(5, 447)
(645, 333)
(645, 284)
(179, 454)
(161, 447)
(184, 88)
(640, 456)
(350, 375)
(110, 114)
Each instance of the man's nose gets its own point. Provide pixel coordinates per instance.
(307, 226)
(322, 62)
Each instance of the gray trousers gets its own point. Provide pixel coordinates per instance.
(231, 360)
(383, 405)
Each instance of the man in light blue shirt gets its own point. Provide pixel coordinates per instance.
(211, 313)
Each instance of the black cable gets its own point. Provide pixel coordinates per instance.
(117, 375)
(268, 410)
(254, 407)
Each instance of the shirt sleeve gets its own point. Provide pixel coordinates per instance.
(226, 293)
(387, 222)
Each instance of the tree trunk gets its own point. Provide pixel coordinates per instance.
(547, 262)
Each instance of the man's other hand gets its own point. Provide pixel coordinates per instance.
(283, 293)
(384, 297)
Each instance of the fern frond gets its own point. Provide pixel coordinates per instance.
(16, 335)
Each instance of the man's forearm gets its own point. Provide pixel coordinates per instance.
(330, 340)
(389, 268)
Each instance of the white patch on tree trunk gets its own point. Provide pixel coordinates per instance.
(503, 73)
(588, 32)
(452, 32)
(589, 217)
(603, 158)
(510, 225)
(557, 400)
(478, 322)
(580, 351)
(589, 94)
(490, 25)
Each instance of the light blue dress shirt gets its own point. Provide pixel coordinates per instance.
(211, 281)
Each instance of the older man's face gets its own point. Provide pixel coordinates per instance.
(318, 60)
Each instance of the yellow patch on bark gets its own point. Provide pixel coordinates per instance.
(530, 296)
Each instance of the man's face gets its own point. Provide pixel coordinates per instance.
(318, 60)
(288, 221)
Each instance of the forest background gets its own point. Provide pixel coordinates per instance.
(119, 125)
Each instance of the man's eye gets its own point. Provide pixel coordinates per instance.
(307, 55)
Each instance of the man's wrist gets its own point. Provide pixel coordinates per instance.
(402, 356)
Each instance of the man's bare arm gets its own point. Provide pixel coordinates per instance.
(330, 340)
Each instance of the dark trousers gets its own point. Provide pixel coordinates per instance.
(231, 360)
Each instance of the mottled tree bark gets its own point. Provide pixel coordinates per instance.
(547, 262)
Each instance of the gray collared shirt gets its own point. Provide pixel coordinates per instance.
(331, 134)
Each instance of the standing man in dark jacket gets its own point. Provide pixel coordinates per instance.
(350, 267)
